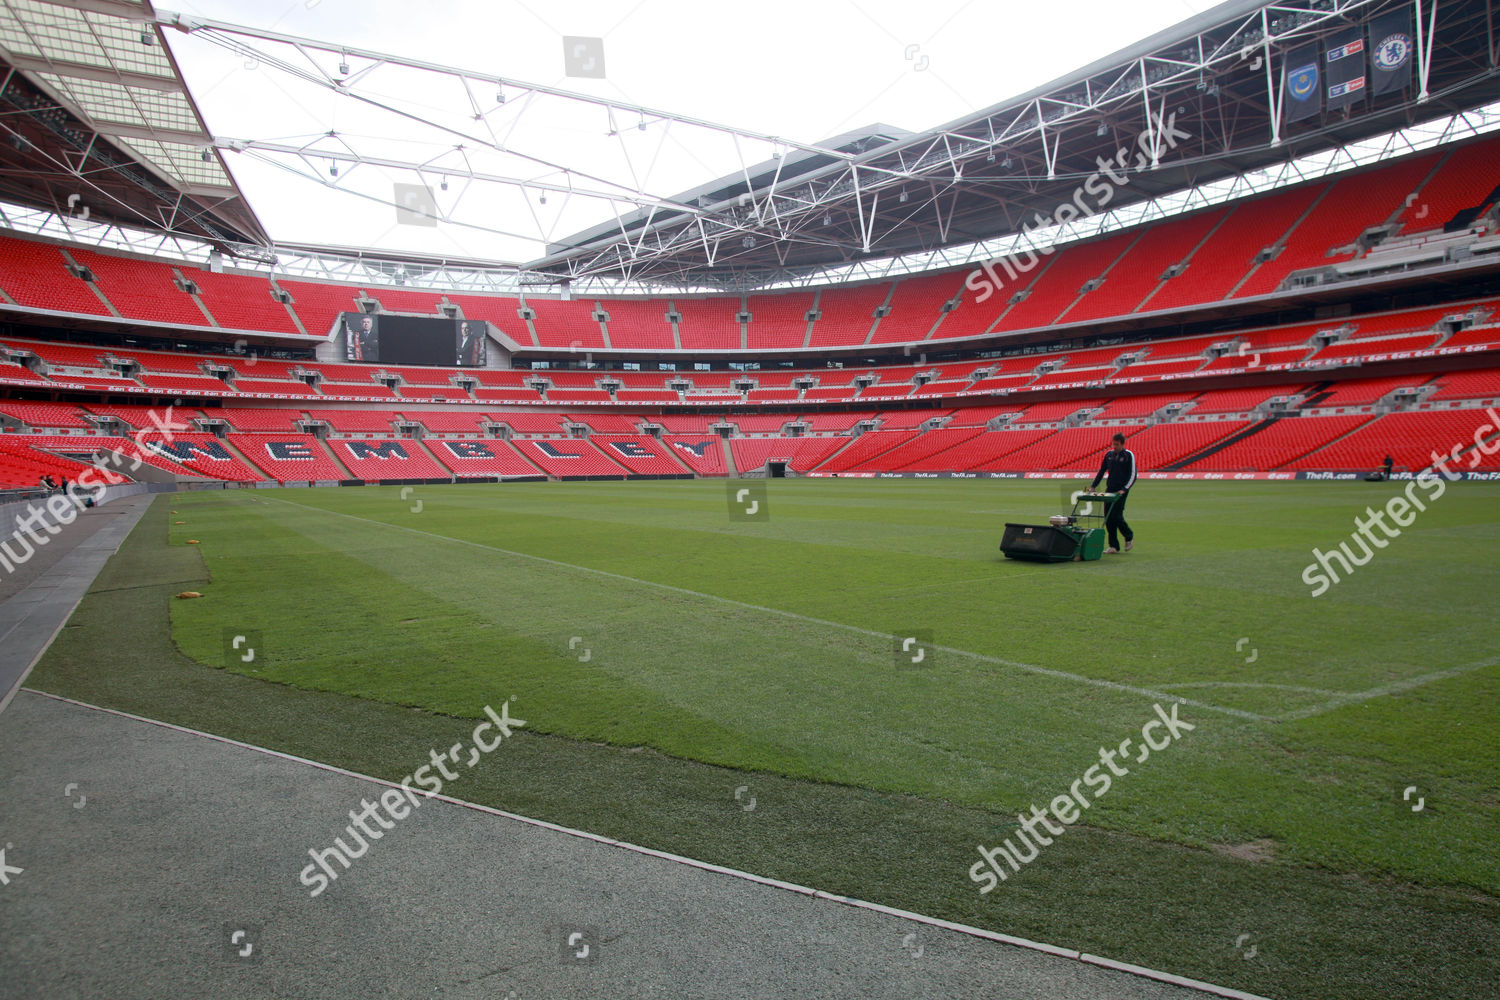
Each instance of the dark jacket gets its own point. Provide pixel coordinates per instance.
(1117, 470)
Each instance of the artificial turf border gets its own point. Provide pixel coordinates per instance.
(1160, 905)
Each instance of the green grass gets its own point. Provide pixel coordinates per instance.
(761, 653)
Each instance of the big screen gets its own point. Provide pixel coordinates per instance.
(414, 340)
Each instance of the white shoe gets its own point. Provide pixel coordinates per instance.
(1111, 552)
(1130, 545)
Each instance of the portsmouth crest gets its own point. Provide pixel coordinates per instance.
(1303, 81)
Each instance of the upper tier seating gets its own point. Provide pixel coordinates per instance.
(35, 275)
(709, 324)
(639, 325)
(140, 289)
(778, 321)
(1350, 205)
(241, 302)
(1466, 179)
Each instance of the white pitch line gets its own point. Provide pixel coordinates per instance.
(1395, 687)
(1043, 671)
(1254, 684)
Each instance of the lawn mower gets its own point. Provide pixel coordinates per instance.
(1077, 536)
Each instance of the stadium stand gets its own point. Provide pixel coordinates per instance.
(778, 321)
(241, 302)
(23, 463)
(35, 275)
(386, 459)
(703, 453)
(140, 289)
(642, 455)
(709, 324)
(847, 314)
(45, 415)
(1159, 446)
(1466, 179)
(472, 459)
(13, 372)
(1345, 209)
(1278, 442)
(1411, 439)
(861, 453)
(288, 457)
(569, 458)
(276, 389)
(1070, 448)
(499, 311)
(248, 420)
(419, 302)
(201, 454)
(449, 421)
(529, 422)
(318, 304)
(1134, 281)
(1477, 385)
(1227, 256)
(639, 325)
(1060, 282)
(356, 421)
(916, 306)
(568, 325)
(607, 423)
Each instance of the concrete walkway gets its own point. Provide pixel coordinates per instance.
(40, 593)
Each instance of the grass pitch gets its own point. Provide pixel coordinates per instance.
(766, 654)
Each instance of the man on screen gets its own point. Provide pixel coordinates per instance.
(470, 345)
(1118, 472)
(364, 343)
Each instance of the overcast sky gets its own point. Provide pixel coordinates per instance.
(804, 70)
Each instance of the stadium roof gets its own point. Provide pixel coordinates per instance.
(98, 109)
(99, 120)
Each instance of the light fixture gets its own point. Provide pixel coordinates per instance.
(333, 170)
(343, 65)
(500, 95)
(443, 183)
(903, 190)
(642, 123)
(1103, 129)
(1006, 163)
(207, 155)
(990, 158)
(147, 38)
(543, 198)
(827, 220)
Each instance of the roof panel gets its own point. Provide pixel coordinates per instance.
(183, 163)
(114, 102)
